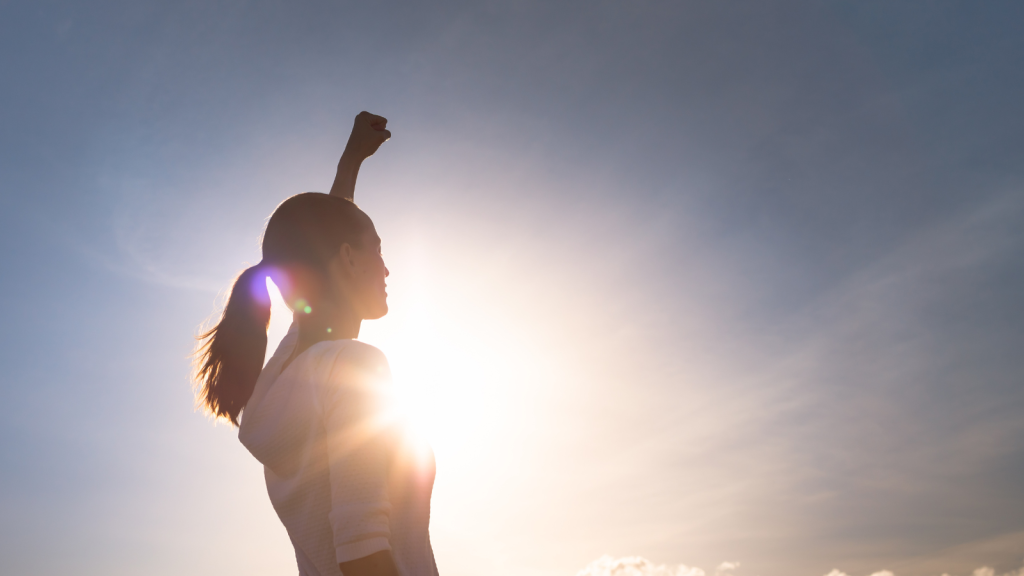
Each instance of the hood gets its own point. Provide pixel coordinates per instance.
(279, 422)
(274, 422)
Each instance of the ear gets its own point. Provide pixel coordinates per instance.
(347, 255)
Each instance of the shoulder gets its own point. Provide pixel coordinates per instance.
(349, 361)
(355, 352)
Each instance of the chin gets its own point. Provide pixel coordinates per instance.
(378, 312)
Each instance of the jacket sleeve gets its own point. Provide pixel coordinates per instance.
(358, 449)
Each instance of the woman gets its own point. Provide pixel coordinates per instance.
(352, 492)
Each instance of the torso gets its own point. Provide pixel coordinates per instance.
(299, 475)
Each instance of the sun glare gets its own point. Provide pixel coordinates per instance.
(447, 379)
(450, 382)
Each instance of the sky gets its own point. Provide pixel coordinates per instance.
(677, 288)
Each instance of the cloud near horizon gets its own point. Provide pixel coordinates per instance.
(639, 566)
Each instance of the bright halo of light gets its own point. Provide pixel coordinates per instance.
(445, 377)
(458, 355)
(457, 361)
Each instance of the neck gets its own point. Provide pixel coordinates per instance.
(336, 324)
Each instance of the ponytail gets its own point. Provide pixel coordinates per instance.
(303, 234)
(229, 356)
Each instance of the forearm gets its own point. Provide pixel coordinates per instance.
(369, 131)
(345, 180)
(376, 564)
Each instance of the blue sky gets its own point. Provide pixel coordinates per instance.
(707, 282)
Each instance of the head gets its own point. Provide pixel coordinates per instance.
(323, 252)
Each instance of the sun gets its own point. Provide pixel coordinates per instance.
(444, 376)
(448, 377)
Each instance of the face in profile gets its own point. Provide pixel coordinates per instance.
(364, 273)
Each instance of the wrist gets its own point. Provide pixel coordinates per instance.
(350, 159)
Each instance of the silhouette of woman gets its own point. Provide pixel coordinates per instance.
(351, 490)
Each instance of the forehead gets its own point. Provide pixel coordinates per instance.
(370, 234)
(363, 221)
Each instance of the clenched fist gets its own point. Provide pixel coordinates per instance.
(369, 131)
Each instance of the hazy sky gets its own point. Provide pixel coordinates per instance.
(698, 282)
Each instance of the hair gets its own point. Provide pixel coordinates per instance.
(303, 234)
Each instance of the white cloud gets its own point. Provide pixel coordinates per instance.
(726, 568)
(983, 571)
(635, 566)
(639, 566)
(986, 571)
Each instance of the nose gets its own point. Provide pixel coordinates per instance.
(386, 272)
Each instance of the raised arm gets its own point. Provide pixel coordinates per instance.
(369, 131)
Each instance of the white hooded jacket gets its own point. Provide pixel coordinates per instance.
(341, 474)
